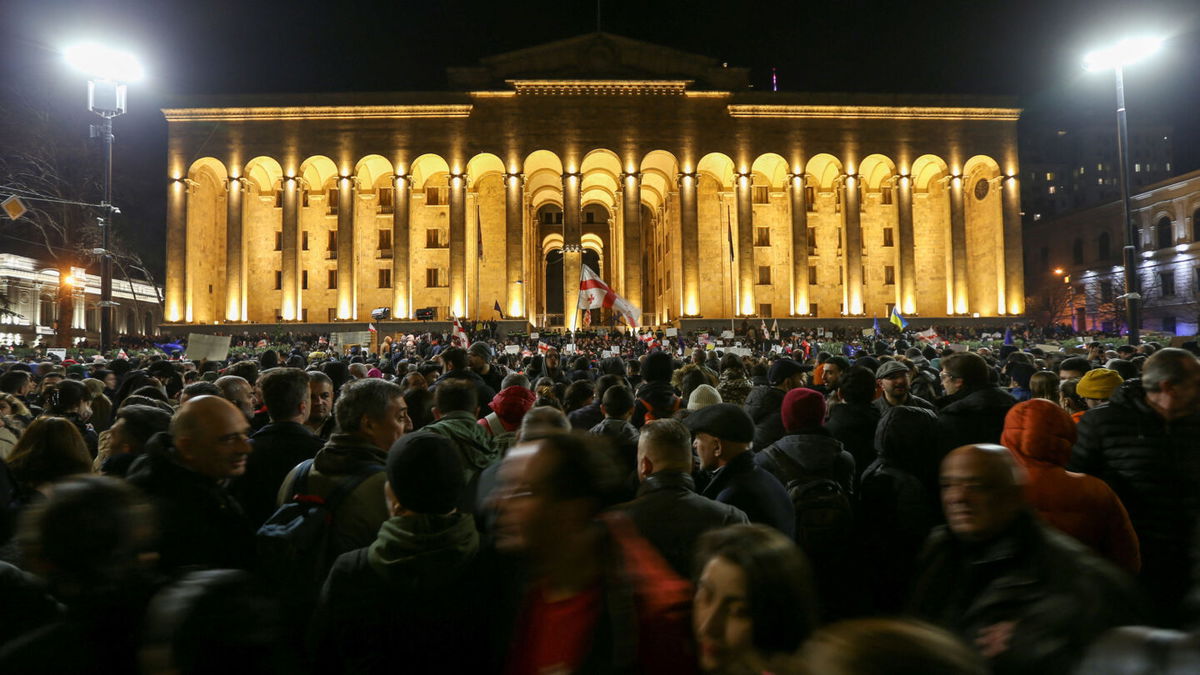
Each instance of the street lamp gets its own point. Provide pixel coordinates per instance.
(1115, 58)
(108, 70)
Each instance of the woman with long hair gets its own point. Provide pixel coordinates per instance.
(50, 449)
(71, 400)
(755, 602)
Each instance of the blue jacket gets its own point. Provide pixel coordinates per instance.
(744, 484)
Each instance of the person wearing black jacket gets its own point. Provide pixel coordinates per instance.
(656, 398)
(722, 434)
(764, 402)
(456, 369)
(973, 410)
(279, 446)
(183, 472)
(1146, 445)
(410, 596)
(667, 510)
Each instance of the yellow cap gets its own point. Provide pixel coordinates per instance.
(1098, 383)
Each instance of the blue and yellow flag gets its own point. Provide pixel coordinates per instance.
(897, 320)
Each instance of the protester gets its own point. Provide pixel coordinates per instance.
(1028, 598)
(973, 409)
(721, 437)
(1145, 444)
(667, 510)
(754, 600)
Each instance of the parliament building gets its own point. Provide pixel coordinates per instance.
(692, 194)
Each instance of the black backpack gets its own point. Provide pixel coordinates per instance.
(824, 518)
(295, 548)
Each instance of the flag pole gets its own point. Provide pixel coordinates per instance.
(478, 256)
(732, 279)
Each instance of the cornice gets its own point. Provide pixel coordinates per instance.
(873, 112)
(392, 112)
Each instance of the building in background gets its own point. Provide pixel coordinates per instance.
(30, 292)
(1074, 270)
(1068, 163)
(688, 192)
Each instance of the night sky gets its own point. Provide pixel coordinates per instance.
(1030, 49)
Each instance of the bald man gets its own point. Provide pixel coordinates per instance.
(667, 510)
(239, 392)
(1027, 597)
(184, 472)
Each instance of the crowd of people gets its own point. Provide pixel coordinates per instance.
(636, 505)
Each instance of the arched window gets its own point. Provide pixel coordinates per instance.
(1104, 247)
(1077, 252)
(1165, 237)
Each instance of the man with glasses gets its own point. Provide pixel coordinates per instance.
(973, 409)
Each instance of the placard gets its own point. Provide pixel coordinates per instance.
(533, 336)
(820, 331)
(512, 349)
(672, 332)
(361, 337)
(740, 351)
(727, 334)
(569, 348)
(868, 332)
(609, 353)
(60, 352)
(1049, 349)
(958, 348)
(211, 347)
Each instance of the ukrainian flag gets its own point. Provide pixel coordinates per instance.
(897, 320)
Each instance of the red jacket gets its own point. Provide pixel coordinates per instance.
(1040, 435)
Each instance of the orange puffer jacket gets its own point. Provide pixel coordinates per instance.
(1040, 436)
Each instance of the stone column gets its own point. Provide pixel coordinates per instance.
(958, 247)
(689, 218)
(458, 245)
(1014, 274)
(852, 218)
(572, 247)
(514, 200)
(906, 240)
(631, 246)
(347, 290)
(290, 307)
(401, 282)
(235, 257)
(799, 244)
(176, 302)
(745, 246)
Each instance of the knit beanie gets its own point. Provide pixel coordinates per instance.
(702, 397)
(425, 473)
(802, 409)
(1098, 383)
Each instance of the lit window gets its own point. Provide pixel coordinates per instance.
(1168, 166)
(1099, 181)
(1049, 175)
(1137, 168)
(1051, 189)
(1099, 167)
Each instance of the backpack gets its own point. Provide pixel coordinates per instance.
(295, 548)
(824, 519)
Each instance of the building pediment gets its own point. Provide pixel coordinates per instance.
(598, 56)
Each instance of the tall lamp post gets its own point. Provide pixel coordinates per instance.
(108, 70)
(1115, 58)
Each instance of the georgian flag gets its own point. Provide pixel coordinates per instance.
(459, 333)
(593, 293)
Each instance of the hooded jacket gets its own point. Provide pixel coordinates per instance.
(763, 404)
(358, 518)
(818, 452)
(972, 416)
(1040, 435)
(854, 425)
(1154, 467)
(199, 523)
(898, 502)
(407, 599)
(656, 398)
(473, 442)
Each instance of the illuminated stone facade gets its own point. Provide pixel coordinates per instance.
(649, 163)
(1075, 271)
(30, 289)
